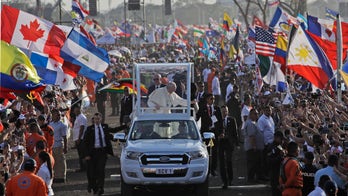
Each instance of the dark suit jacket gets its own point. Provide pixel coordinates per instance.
(126, 107)
(152, 88)
(89, 139)
(231, 131)
(206, 121)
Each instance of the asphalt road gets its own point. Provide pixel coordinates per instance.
(76, 184)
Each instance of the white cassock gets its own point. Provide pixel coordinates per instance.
(162, 98)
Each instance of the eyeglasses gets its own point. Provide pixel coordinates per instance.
(156, 79)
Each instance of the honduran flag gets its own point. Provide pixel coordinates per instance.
(80, 51)
(27, 31)
(77, 7)
(307, 59)
(17, 73)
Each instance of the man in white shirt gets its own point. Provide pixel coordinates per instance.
(216, 89)
(165, 97)
(229, 89)
(80, 126)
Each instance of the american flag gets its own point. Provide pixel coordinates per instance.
(265, 42)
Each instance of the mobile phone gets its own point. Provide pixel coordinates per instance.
(20, 153)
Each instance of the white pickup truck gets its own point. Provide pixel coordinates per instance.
(163, 150)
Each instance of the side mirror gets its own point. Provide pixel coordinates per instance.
(208, 135)
(120, 136)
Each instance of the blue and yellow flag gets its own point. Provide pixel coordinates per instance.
(17, 73)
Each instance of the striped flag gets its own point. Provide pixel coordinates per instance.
(331, 14)
(265, 42)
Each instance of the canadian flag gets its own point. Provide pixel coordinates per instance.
(27, 31)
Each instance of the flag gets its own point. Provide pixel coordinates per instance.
(17, 74)
(236, 40)
(227, 23)
(79, 50)
(118, 87)
(302, 20)
(280, 51)
(308, 60)
(34, 98)
(30, 32)
(331, 14)
(212, 33)
(265, 42)
(197, 32)
(77, 7)
(344, 72)
(282, 21)
(251, 34)
(49, 68)
(288, 100)
(322, 28)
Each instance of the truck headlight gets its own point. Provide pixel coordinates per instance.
(133, 155)
(197, 154)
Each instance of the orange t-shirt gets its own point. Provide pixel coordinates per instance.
(48, 133)
(26, 183)
(31, 142)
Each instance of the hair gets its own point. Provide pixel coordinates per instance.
(332, 160)
(41, 117)
(330, 188)
(40, 145)
(171, 84)
(292, 148)
(45, 157)
(322, 180)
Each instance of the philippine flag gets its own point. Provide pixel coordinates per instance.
(77, 7)
(30, 32)
(308, 60)
(79, 50)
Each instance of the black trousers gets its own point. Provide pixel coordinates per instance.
(225, 160)
(254, 158)
(213, 153)
(96, 169)
(82, 162)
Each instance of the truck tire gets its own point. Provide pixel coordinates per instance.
(202, 189)
(126, 189)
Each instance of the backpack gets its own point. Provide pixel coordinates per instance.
(282, 168)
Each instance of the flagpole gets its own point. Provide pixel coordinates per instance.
(339, 58)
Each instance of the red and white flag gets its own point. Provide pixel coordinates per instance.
(27, 31)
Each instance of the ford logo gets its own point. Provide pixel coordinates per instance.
(164, 159)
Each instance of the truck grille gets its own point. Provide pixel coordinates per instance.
(148, 159)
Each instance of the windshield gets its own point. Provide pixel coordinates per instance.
(164, 129)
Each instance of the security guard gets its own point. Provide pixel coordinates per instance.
(308, 173)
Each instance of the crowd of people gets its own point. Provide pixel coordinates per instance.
(296, 140)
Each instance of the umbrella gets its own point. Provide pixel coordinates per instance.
(125, 50)
(115, 53)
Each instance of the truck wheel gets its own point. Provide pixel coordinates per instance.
(126, 189)
(202, 189)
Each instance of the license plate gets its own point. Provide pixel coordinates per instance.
(164, 171)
